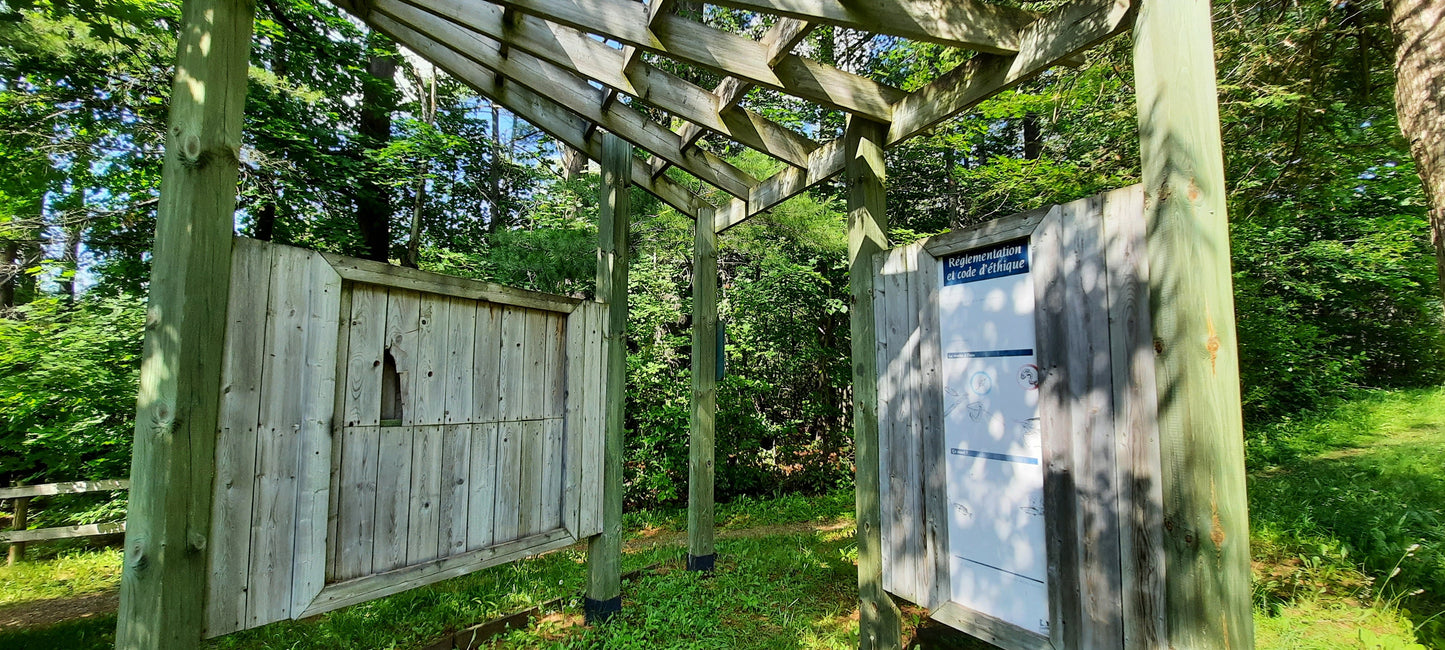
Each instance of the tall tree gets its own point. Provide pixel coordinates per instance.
(1419, 29)
(378, 100)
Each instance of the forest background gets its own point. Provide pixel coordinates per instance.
(353, 147)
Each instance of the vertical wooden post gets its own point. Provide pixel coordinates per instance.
(163, 581)
(19, 521)
(701, 555)
(1206, 524)
(879, 623)
(604, 551)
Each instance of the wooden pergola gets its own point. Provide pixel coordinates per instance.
(580, 70)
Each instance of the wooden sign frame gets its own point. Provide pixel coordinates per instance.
(1100, 446)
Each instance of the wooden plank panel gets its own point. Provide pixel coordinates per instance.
(367, 330)
(400, 277)
(885, 271)
(455, 488)
(273, 515)
(393, 498)
(512, 391)
(433, 328)
(356, 525)
(576, 368)
(535, 373)
(460, 349)
(338, 427)
(424, 525)
(555, 405)
(61, 532)
(933, 570)
(483, 488)
(403, 313)
(529, 505)
(508, 496)
(236, 444)
(552, 475)
(317, 394)
(486, 364)
(1141, 497)
(594, 397)
(79, 487)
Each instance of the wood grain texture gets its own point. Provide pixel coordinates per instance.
(356, 521)
(367, 334)
(513, 371)
(506, 515)
(400, 277)
(424, 522)
(403, 314)
(393, 498)
(482, 496)
(703, 405)
(486, 364)
(163, 580)
(317, 395)
(455, 488)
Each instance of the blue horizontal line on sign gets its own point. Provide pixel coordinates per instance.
(989, 455)
(991, 353)
(1020, 575)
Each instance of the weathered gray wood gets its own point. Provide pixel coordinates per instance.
(589, 521)
(486, 364)
(886, 274)
(393, 498)
(552, 474)
(933, 569)
(554, 393)
(367, 335)
(61, 532)
(163, 581)
(19, 522)
(506, 514)
(273, 509)
(71, 487)
(1192, 311)
(967, 24)
(461, 358)
(370, 588)
(431, 365)
(338, 427)
(996, 231)
(1048, 259)
(703, 406)
(230, 550)
(1136, 429)
(424, 523)
(604, 551)
(400, 277)
(317, 395)
(574, 351)
(512, 393)
(534, 378)
(992, 630)
(356, 522)
(880, 624)
(403, 313)
(529, 496)
(482, 495)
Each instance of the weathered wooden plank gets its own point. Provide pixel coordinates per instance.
(703, 407)
(933, 570)
(433, 327)
(880, 624)
(317, 394)
(604, 551)
(885, 274)
(424, 524)
(482, 495)
(486, 364)
(400, 277)
(593, 399)
(506, 511)
(990, 629)
(1136, 429)
(78, 487)
(361, 590)
(997, 231)
(552, 475)
(403, 313)
(273, 514)
(1191, 298)
(1089, 397)
(1056, 423)
(338, 427)
(555, 394)
(393, 498)
(968, 24)
(356, 525)
(163, 581)
(461, 359)
(61, 532)
(513, 371)
(534, 378)
(575, 360)
(529, 506)
(235, 445)
(367, 329)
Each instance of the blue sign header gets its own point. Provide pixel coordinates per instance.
(1011, 258)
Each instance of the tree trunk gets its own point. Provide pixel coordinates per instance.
(378, 99)
(1419, 29)
(494, 172)
(428, 88)
(265, 221)
(1033, 137)
(9, 276)
(574, 162)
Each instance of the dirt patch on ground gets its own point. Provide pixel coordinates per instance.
(41, 613)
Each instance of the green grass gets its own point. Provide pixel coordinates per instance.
(72, 574)
(1348, 535)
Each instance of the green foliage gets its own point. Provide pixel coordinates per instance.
(75, 573)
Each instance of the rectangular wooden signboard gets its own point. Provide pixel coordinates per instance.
(1016, 413)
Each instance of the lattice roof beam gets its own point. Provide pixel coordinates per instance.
(573, 92)
(630, 54)
(1047, 42)
(969, 24)
(583, 55)
(540, 111)
(722, 52)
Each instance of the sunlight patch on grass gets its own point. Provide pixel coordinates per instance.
(73, 574)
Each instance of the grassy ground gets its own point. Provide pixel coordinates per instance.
(1349, 545)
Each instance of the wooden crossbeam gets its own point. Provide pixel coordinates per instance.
(573, 92)
(540, 111)
(1047, 42)
(578, 53)
(630, 54)
(970, 24)
(722, 52)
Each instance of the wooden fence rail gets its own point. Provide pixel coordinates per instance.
(21, 494)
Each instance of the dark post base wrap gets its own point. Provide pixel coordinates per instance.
(701, 563)
(601, 611)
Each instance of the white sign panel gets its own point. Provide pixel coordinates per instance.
(997, 560)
